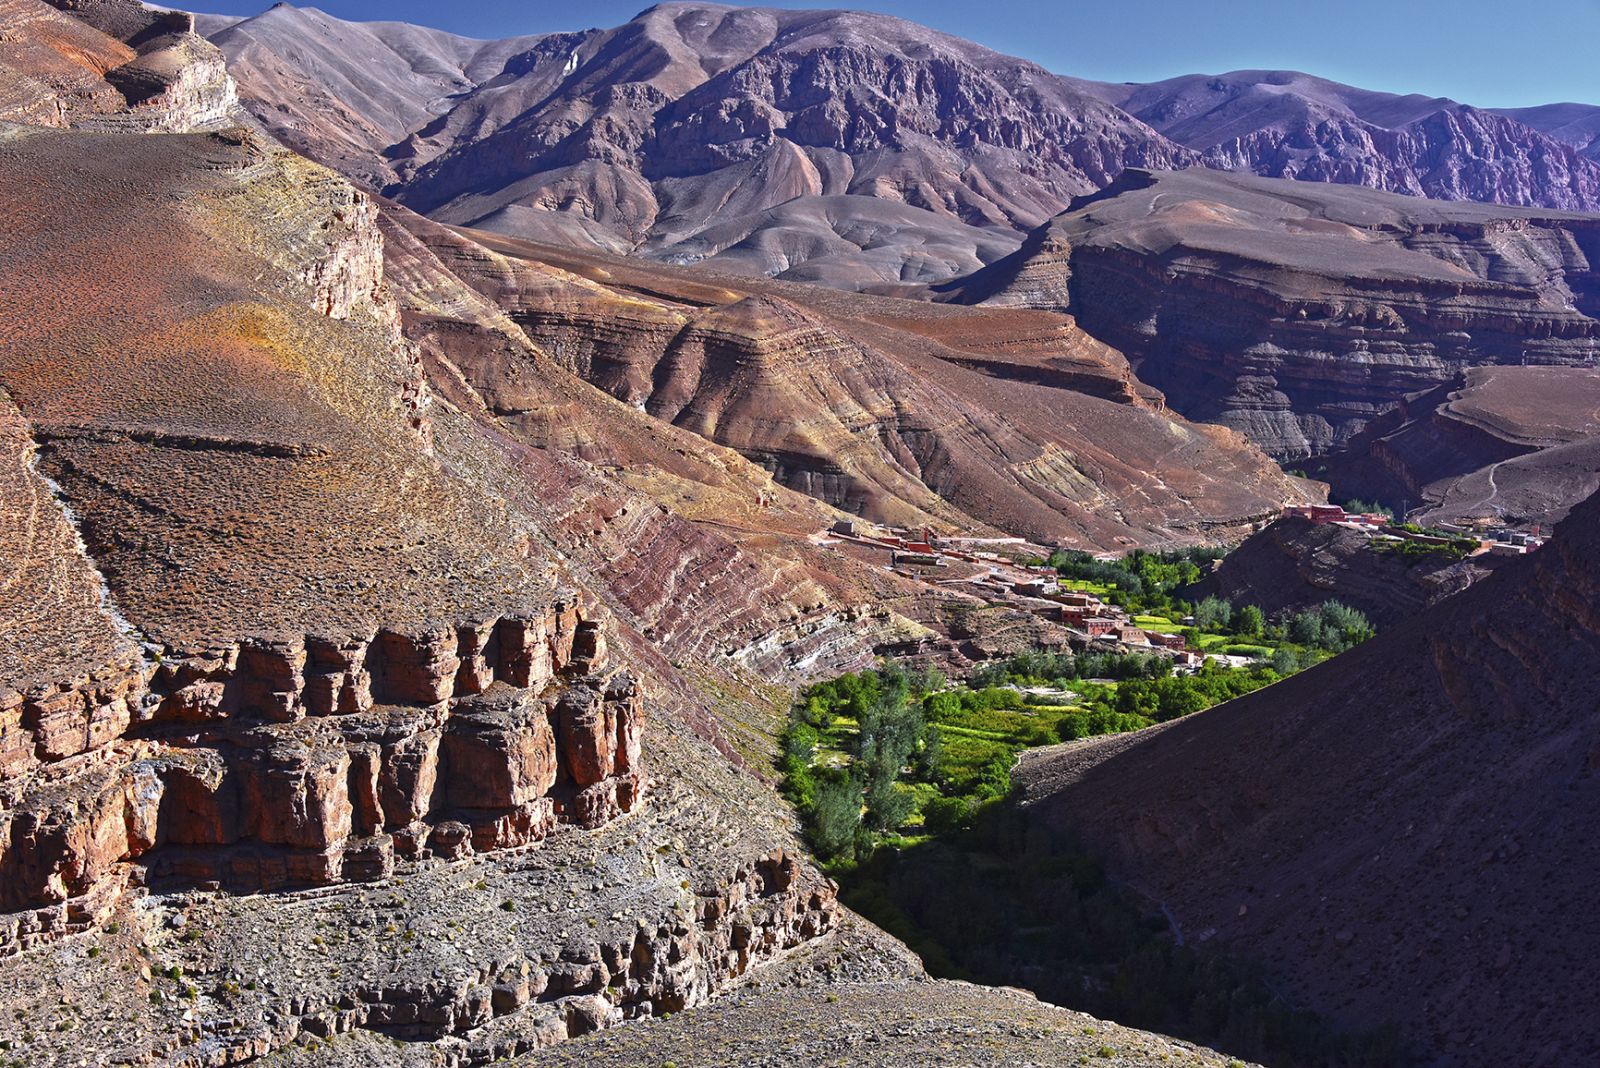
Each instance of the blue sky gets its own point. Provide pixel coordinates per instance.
(1485, 52)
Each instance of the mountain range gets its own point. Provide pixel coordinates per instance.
(852, 149)
(431, 480)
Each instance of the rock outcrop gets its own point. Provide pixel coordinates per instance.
(1293, 564)
(1511, 445)
(1378, 827)
(1296, 313)
(268, 764)
(118, 66)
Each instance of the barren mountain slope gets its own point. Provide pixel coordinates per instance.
(842, 147)
(1518, 445)
(846, 147)
(901, 1024)
(1296, 312)
(899, 411)
(336, 645)
(1577, 125)
(1285, 124)
(348, 718)
(1402, 833)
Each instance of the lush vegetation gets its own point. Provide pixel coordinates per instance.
(1361, 507)
(1140, 581)
(900, 758)
(1448, 546)
(893, 754)
(1149, 587)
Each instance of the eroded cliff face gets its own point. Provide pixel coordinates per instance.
(265, 637)
(115, 66)
(1013, 419)
(1295, 314)
(301, 762)
(1511, 445)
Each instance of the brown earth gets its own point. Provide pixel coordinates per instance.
(1400, 834)
(902, 412)
(1514, 445)
(363, 676)
(847, 148)
(1294, 312)
(316, 631)
(1293, 564)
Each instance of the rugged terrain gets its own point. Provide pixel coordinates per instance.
(1285, 124)
(1297, 312)
(372, 682)
(1294, 564)
(1401, 833)
(1514, 445)
(891, 409)
(848, 147)
(843, 147)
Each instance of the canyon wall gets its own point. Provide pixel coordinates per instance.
(270, 764)
(1295, 313)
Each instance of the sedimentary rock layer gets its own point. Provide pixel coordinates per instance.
(883, 407)
(1295, 313)
(1517, 445)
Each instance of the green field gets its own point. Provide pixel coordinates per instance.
(1099, 589)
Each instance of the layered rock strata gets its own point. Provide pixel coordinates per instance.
(116, 66)
(1295, 313)
(951, 418)
(267, 764)
(1510, 445)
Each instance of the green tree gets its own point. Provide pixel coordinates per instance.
(1249, 621)
(1213, 613)
(1305, 628)
(835, 816)
(889, 805)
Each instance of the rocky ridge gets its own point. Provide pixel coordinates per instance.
(115, 66)
(840, 147)
(1286, 124)
(1295, 313)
